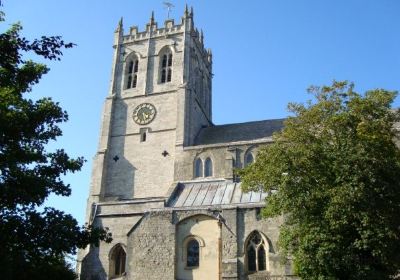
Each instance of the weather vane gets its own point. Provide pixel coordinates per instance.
(169, 7)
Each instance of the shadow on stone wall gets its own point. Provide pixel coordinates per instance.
(92, 268)
(121, 173)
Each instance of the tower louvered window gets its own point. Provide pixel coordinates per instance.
(166, 68)
(133, 66)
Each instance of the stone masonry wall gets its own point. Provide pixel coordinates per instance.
(151, 248)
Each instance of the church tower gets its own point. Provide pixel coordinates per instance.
(163, 180)
(159, 99)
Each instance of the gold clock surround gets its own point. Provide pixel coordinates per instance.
(144, 113)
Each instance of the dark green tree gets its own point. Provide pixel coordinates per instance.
(333, 172)
(34, 242)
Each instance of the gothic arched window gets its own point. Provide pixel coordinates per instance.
(117, 261)
(131, 73)
(208, 168)
(192, 253)
(256, 253)
(166, 67)
(248, 159)
(198, 168)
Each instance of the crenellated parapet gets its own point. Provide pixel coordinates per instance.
(168, 30)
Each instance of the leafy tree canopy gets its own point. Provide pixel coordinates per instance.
(333, 172)
(34, 242)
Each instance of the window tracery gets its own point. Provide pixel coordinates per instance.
(132, 70)
(166, 67)
(256, 253)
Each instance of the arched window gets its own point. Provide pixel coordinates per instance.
(166, 67)
(198, 168)
(131, 73)
(249, 159)
(117, 261)
(192, 253)
(208, 168)
(256, 253)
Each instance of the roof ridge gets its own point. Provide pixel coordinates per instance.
(241, 123)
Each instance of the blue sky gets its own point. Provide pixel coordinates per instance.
(265, 53)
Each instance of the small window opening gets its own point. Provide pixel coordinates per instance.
(169, 75)
(249, 159)
(143, 134)
(261, 258)
(251, 258)
(166, 68)
(208, 170)
(134, 81)
(170, 60)
(198, 168)
(193, 253)
(163, 76)
(130, 68)
(133, 66)
(164, 61)
(129, 84)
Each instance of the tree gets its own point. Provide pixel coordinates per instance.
(333, 172)
(34, 242)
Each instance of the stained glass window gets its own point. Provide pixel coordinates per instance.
(193, 250)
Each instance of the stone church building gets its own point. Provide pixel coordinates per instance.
(163, 179)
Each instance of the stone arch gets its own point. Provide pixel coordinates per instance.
(204, 230)
(131, 69)
(166, 58)
(117, 260)
(257, 252)
(198, 168)
(186, 249)
(249, 156)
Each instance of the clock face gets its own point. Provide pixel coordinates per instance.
(144, 113)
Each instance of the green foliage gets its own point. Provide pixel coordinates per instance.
(34, 242)
(333, 172)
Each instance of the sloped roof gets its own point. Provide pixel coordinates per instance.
(212, 194)
(238, 132)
